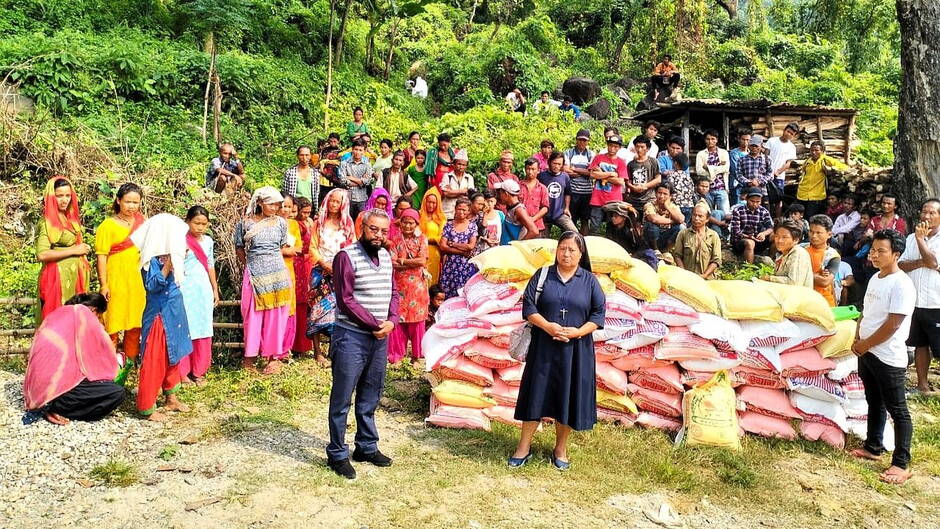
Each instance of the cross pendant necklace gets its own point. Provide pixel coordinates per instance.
(563, 312)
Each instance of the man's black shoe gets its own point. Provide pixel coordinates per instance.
(344, 468)
(376, 458)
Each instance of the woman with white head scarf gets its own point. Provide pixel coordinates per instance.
(266, 287)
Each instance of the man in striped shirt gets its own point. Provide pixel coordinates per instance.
(577, 161)
(366, 312)
(356, 175)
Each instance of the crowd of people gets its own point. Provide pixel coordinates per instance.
(360, 248)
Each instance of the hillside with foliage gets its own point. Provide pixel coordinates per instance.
(119, 85)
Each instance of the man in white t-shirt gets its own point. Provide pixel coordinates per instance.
(882, 355)
(782, 151)
(920, 261)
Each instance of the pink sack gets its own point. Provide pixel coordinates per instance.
(614, 328)
(623, 418)
(484, 297)
(460, 368)
(504, 318)
(502, 393)
(680, 344)
(669, 310)
(503, 414)
(511, 375)
(620, 305)
(694, 379)
(665, 404)
(460, 327)
(804, 362)
(662, 378)
(486, 354)
(763, 378)
(658, 422)
(726, 360)
(605, 352)
(766, 426)
(500, 340)
(635, 363)
(456, 417)
(761, 358)
(769, 333)
(816, 431)
(769, 402)
(611, 379)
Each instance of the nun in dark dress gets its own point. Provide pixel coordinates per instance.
(558, 380)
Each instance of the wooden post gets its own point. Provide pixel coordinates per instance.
(726, 130)
(819, 134)
(685, 130)
(770, 126)
(848, 138)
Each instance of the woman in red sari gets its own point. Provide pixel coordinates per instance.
(60, 247)
(303, 265)
(409, 250)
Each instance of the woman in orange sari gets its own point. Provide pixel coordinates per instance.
(432, 225)
(303, 265)
(119, 268)
(290, 252)
(60, 247)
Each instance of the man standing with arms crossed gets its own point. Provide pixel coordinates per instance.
(920, 261)
(366, 312)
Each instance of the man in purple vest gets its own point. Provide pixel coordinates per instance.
(366, 313)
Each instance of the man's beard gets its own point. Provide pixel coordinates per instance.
(372, 247)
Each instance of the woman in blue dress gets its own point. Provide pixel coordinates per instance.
(558, 380)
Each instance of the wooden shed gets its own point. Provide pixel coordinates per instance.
(689, 118)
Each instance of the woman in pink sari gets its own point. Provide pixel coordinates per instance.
(72, 364)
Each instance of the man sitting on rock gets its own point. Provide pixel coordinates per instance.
(665, 80)
(225, 169)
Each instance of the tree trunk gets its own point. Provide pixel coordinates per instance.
(473, 13)
(391, 48)
(342, 31)
(329, 71)
(731, 6)
(917, 145)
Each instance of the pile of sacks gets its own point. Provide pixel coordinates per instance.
(665, 333)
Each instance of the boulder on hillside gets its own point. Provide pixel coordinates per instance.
(581, 89)
(626, 83)
(621, 94)
(13, 102)
(600, 109)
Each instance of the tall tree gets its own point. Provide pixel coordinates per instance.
(917, 145)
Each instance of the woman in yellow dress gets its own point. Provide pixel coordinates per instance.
(432, 224)
(294, 248)
(60, 247)
(119, 269)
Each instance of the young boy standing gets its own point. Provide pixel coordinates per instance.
(882, 363)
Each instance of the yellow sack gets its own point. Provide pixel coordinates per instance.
(606, 255)
(840, 343)
(607, 284)
(709, 414)
(504, 264)
(461, 394)
(688, 288)
(613, 401)
(539, 252)
(638, 280)
(802, 304)
(743, 300)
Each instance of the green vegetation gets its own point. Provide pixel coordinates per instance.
(116, 473)
(119, 85)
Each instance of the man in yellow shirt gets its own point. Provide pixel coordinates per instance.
(813, 173)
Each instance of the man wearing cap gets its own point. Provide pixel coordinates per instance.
(751, 226)
(610, 174)
(456, 183)
(503, 170)
(517, 224)
(558, 184)
(644, 175)
(568, 106)
(577, 162)
(782, 152)
(754, 169)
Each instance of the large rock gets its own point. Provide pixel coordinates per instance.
(626, 83)
(600, 109)
(621, 94)
(12, 102)
(582, 89)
